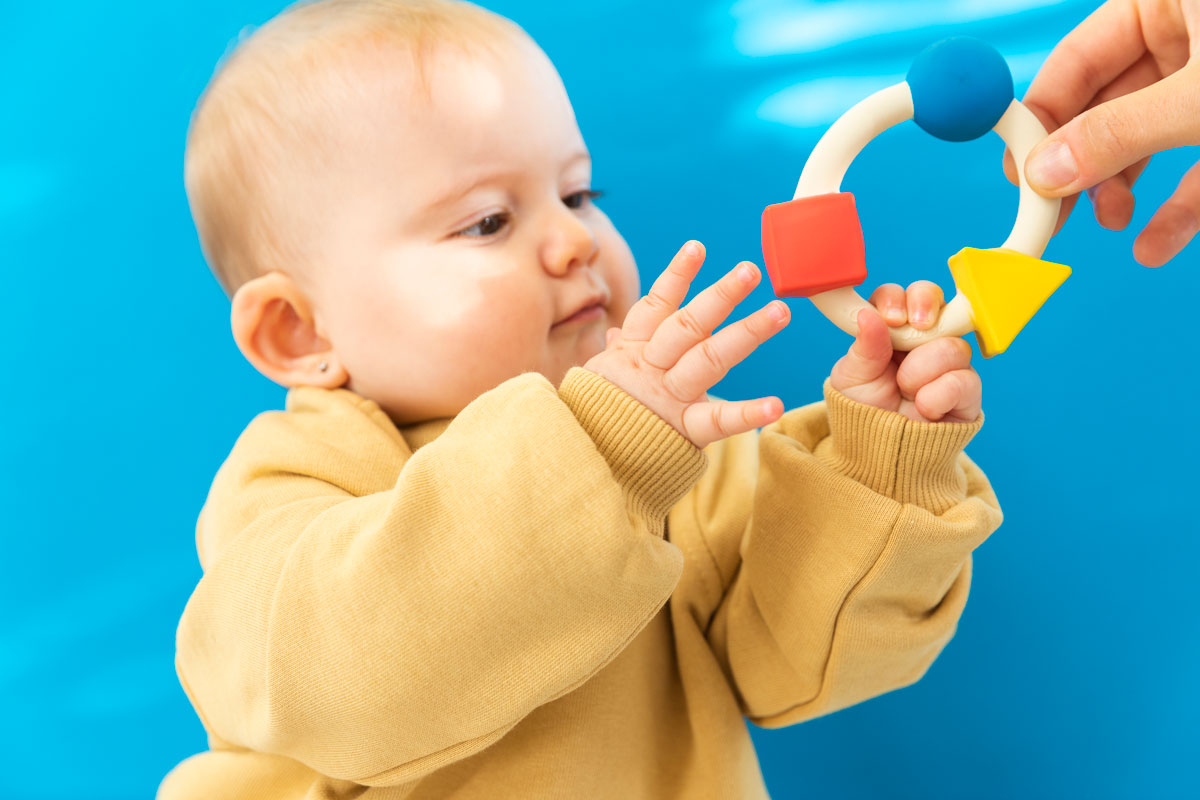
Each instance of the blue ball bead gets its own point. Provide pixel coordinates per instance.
(960, 88)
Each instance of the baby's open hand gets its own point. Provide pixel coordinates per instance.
(934, 382)
(667, 358)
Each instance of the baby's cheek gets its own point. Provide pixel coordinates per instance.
(625, 287)
(618, 269)
(514, 336)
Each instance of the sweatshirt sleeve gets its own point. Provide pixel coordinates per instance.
(833, 552)
(377, 635)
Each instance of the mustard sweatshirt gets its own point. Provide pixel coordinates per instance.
(556, 595)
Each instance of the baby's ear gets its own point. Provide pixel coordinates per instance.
(274, 328)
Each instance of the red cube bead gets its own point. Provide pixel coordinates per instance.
(813, 244)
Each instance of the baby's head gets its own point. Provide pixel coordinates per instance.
(398, 189)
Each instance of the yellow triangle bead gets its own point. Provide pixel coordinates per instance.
(1005, 289)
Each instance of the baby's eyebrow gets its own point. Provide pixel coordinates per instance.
(456, 193)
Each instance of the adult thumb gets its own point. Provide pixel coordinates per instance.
(1106, 139)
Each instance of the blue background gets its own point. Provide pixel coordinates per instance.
(1074, 670)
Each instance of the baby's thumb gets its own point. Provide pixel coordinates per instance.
(868, 357)
(1106, 139)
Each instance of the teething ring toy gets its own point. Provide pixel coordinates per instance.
(957, 89)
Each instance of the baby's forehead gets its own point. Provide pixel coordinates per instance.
(451, 96)
(457, 83)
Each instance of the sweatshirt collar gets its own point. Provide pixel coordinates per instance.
(419, 434)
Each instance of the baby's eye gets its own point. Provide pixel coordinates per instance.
(576, 199)
(487, 226)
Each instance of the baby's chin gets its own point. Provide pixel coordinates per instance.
(575, 357)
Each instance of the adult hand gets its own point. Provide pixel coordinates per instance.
(1128, 69)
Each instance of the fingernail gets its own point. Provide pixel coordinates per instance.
(1051, 167)
(893, 314)
(692, 249)
(918, 317)
(777, 311)
(746, 273)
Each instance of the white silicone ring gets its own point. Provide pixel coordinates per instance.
(845, 139)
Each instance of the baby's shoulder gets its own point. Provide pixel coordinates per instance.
(318, 445)
(333, 435)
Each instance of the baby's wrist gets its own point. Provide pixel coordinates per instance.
(908, 460)
(653, 462)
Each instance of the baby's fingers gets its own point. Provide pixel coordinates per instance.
(705, 423)
(956, 396)
(706, 363)
(928, 361)
(695, 322)
(869, 356)
(665, 295)
(924, 301)
(889, 299)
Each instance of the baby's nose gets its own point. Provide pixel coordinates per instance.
(568, 244)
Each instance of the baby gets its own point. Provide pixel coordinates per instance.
(501, 542)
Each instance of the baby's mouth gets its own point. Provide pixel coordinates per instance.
(585, 314)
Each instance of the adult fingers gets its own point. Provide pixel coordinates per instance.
(928, 361)
(1173, 225)
(868, 357)
(665, 295)
(1089, 58)
(706, 363)
(693, 323)
(1108, 138)
(1048, 122)
(1112, 198)
(1010, 170)
(1139, 75)
(1101, 51)
(1071, 80)
(704, 423)
(953, 397)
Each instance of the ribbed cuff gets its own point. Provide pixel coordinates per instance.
(654, 462)
(909, 461)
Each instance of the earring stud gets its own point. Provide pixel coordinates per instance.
(323, 366)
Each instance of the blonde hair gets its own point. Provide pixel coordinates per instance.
(267, 113)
